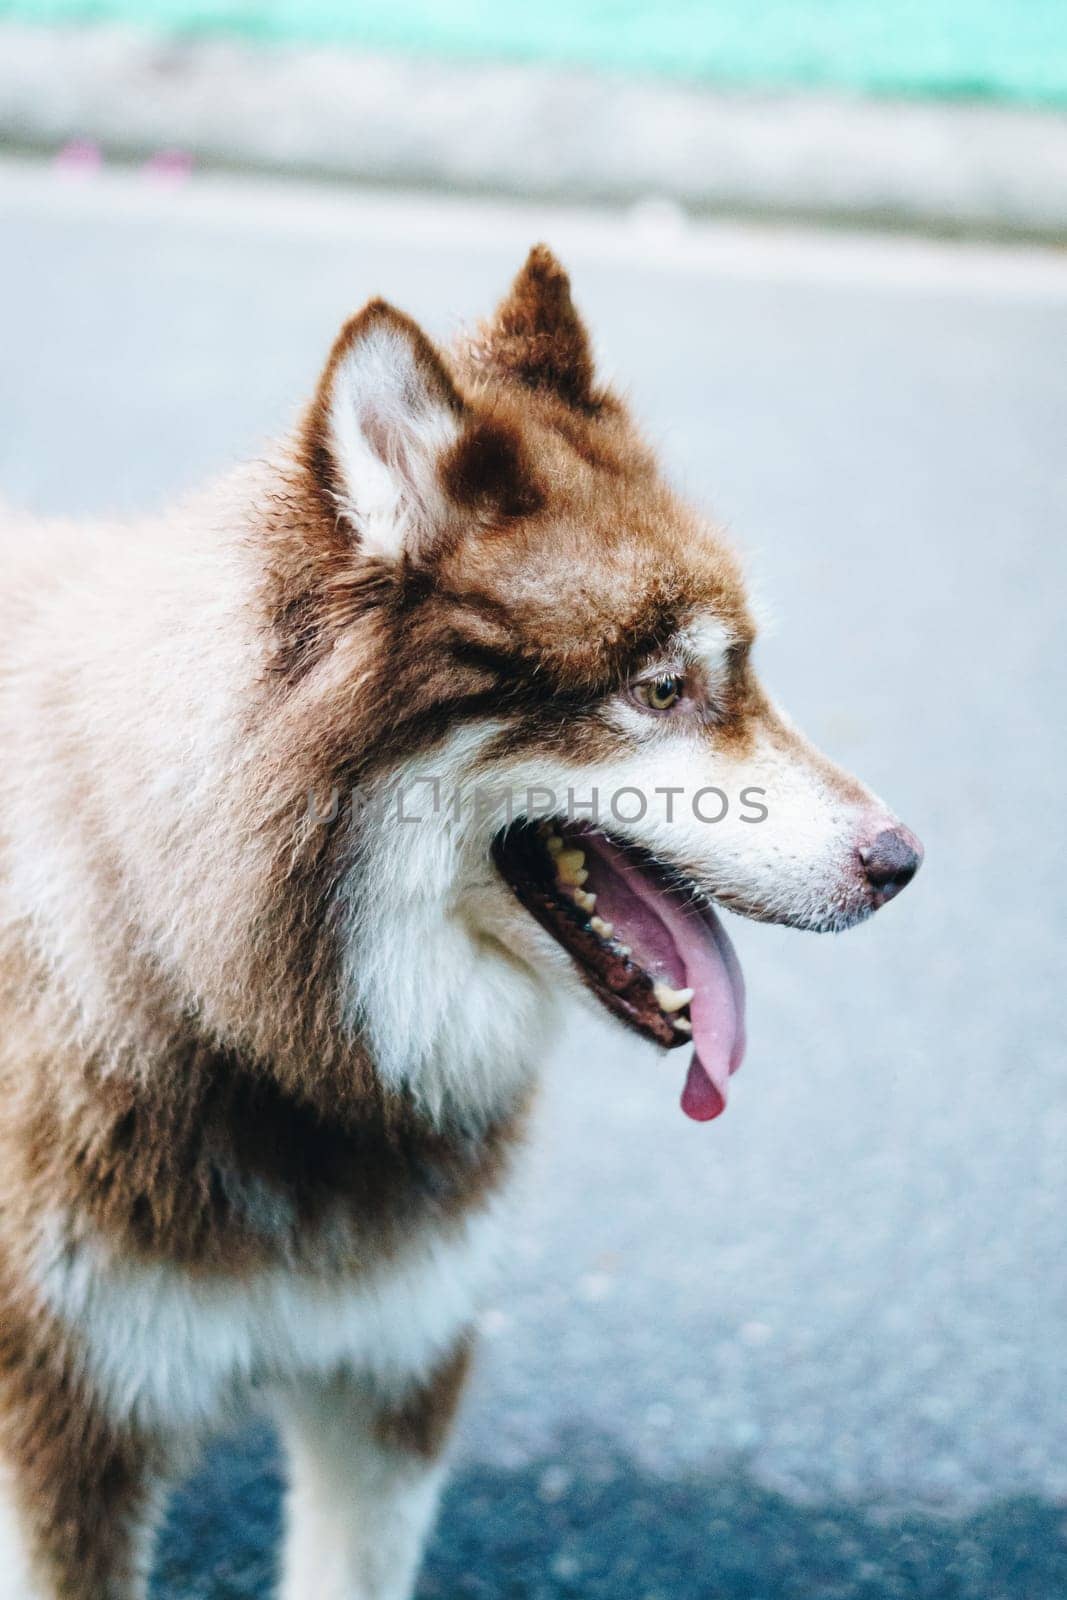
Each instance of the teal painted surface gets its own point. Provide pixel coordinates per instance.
(1000, 49)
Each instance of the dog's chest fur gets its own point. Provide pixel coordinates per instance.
(173, 1350)
(197, 1242)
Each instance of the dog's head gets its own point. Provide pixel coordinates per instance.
(539, 659)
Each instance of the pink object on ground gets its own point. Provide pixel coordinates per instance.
(169, 166)
(79, 158)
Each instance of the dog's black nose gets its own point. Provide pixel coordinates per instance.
(890, 861)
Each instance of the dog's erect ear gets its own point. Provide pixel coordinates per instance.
(538, 338)
(385, 413)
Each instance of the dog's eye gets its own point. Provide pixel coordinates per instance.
(660, 694)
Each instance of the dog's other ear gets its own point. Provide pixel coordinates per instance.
(385, 412)
(537, 338)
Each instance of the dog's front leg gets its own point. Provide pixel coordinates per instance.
(78, 1505)
(364, 1479)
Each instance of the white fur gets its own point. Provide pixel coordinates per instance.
(445, 1005)
(175, 1351)
(17, 1581)
(704, 643)
(159, 758)
(799, 864)
(358, 1511)
(389, 430)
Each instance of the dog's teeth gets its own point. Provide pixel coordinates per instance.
(683, 1024)
(584, 901)
(569, 867)
(669, 999)
(603, 929)
(623, 949)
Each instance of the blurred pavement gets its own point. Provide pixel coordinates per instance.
(816, 1349)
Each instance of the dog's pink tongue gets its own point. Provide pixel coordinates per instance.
(687, 948)
(717, 1009)
(701, 1100)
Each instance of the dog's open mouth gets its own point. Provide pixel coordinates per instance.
(648, 951)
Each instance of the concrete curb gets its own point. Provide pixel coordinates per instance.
(537, 132)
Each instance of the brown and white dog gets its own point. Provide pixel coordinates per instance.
(264, 1058)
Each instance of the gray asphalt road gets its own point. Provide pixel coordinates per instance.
(817, 1348)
